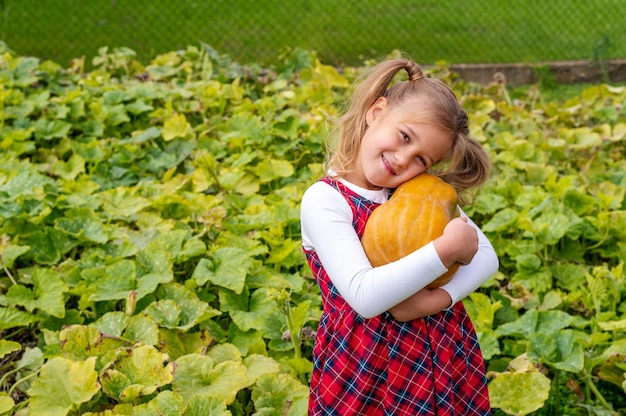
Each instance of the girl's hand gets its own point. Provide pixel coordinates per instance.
(423, 303)
(458, 243)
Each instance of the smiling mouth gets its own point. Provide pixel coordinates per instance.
(389, 168)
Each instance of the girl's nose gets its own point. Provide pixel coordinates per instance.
(402, 158)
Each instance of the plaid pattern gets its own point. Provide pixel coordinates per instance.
(379, 366)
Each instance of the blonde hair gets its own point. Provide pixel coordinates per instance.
(467, 164)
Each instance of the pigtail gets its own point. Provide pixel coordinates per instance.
(414, 70)
(469, 164)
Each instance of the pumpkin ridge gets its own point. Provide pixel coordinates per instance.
(415, 214)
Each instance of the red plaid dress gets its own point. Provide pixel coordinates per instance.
(380, 366)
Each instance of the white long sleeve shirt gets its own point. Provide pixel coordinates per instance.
(326, 221)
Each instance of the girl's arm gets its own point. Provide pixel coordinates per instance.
(326, 221)
(466, 280)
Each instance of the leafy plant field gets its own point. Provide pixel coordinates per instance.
(150, 247)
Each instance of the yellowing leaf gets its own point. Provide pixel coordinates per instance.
(175, 126)
(7, 347)
(62, 385)
(259, 365)
(613, 325)
(6, 403)
(202, 406)
(519, 393)
(619, 132)
(136, 373)
(197, 375)
(270, 169)
(165, 403)
(279, 391)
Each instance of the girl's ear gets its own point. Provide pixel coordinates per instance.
(374, 111)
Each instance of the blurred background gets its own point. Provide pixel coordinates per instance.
(341, 32)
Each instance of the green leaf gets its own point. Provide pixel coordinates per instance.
(113, 282)
(112, 323)
(51, 129)
(142, 328)
(83, 224)
(115, 97)
(32, 359)
(71, 169)
(111, 114)
(549, 228)
(228, 267)
(527, 262)
(533, 321)
(489, 345)
(165, 312)
(489, 203)
(138, 107)
(300, 315)
(259, 312)
(148, 283)
(578, 201)
(501, 220)
(569, 276)
(179, 308)
(122, 203)
(46, 295)
(11, 318)
(196, 375)
(25, 182)
(166, 403)
(62, 385)
(559, 350)
(24, 71)
(10, 253)
(47, 245)
(239, 181)
(248, 342)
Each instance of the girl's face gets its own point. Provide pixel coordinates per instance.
(394, 149)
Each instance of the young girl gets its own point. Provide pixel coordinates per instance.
(386, 345)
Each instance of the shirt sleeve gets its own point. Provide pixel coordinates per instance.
(326, 221)
(469, 277)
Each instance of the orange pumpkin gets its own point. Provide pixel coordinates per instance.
(415, 215)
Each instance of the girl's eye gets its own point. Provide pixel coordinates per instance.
(405, 137)
(422, 160)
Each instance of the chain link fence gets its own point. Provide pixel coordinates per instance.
(341, 32)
